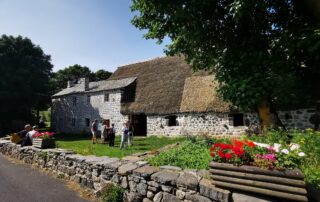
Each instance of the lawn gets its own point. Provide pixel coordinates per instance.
(82, 145)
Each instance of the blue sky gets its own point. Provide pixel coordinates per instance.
(94, 33)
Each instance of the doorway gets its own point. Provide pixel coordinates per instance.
(139, 124)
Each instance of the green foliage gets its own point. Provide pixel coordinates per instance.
(25, 74)
(265, 50)
(74, 73)
(71, 73)
(309, 144)
(43, 155)
(272, 136)
(187, 155)
(112, 193)
(101, 75)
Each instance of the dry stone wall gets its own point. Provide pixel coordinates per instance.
(141, 181)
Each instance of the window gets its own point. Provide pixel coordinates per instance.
(106, 97)
(172, 120)
(87, 122)
(238, 120)
(88, 99)
(73, 122)
(74, 101)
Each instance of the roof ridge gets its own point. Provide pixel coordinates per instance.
(142, 61)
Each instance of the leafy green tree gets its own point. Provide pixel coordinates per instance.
(262, 52)
(74, 73)
(101, 75)
(24, 79)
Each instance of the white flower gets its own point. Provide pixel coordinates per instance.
(285, 151)
(276, 147)
(301, 154)
(262, 145)
(294, 147)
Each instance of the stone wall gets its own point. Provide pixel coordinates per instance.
(197, 124)
(297, 119)
(72, 116)
(141, 181)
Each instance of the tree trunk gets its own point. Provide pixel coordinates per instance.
(264, 114)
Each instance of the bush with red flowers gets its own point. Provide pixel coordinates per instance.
(250, 153)
(232, 151)
(44, 135)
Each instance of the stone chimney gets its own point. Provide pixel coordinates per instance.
(84, 83)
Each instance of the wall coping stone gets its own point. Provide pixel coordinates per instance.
(165, 177)
(145, 171)
(168, 167)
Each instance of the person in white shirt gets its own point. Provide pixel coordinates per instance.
(30, 134)
(124, 136)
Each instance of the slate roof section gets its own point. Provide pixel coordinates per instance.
(97, 86)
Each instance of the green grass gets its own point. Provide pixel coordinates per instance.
(82, 145)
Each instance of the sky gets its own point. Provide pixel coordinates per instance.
(93, 33)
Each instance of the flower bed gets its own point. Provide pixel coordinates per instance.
(259, 168)
(44, 140)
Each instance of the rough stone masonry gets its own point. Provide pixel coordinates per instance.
(141, 181)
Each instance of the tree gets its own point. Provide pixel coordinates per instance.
(263, 53)
(101, 75)
(25, 74)
(74, 73)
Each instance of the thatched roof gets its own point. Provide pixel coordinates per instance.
(97, 86)
(200, 95)
(163, 87)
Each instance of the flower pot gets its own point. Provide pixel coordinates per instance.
(284, 184)
(43, 143)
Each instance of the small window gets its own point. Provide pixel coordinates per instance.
(172, 120)
(238, 120)
(73, 122)
(87, 122)
(88, 99)
(74, 101)
(106, 97)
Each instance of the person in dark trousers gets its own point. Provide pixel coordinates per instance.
(112, 135)
(105, 131)
(130, 134)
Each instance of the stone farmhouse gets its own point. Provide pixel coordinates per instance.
(162, 96)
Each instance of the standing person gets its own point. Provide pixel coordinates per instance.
(112, 135)
(94, 131)
(105, 131)
(130, 134)
(124, 137)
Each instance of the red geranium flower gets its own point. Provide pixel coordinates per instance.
(221, 154)
(228, 156)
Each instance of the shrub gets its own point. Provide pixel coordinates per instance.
(112, 193)
(309, 144)
(187, 155)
